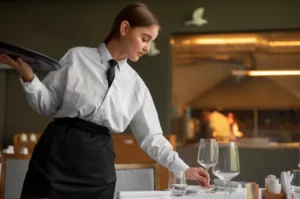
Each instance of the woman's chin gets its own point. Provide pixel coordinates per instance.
(134, 59)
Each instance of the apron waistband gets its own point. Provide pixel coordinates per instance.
(83, 124)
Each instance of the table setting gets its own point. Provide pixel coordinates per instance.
(223, 160)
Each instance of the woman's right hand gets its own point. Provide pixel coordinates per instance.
(19, 65)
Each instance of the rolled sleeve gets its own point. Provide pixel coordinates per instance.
(32, 86)
(147, 130)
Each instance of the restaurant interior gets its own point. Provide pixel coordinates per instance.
(234, 79)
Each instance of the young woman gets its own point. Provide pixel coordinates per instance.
(95, 92)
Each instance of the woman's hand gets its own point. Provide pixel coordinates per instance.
(198, 174)
(19, 65)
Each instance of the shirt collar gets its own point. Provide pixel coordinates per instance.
(106, 56)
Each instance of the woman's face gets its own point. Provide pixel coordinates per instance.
(136, 41)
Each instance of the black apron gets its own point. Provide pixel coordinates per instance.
(73, 158)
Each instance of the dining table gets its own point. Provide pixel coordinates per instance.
(192, 193)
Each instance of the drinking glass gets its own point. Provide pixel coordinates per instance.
(208, 154)
(228, 165)
(295, 183)
(177, 183)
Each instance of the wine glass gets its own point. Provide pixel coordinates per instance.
(208, 153)
(228, 166)
(295, 183)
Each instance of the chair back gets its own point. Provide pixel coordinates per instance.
(137, 177)
(128, 151)
(13, 171)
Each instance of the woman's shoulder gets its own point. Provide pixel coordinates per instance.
(74, 54)
(135, 77)
(139, 86)
(79, 50)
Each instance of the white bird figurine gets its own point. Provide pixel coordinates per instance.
(153, 50)
(197, 18)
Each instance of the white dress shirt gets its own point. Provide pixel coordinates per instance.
(80, 89)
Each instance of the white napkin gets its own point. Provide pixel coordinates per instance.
(285, 183)
(144, 194)
(220, 183)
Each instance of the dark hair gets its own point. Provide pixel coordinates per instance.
(137, 15)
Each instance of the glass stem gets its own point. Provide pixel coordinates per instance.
(225, 187)
(207, 170)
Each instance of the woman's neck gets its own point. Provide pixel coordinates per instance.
(115, 49)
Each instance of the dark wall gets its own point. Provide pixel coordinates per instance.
(52, 27)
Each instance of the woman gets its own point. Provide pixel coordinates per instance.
(95, 92)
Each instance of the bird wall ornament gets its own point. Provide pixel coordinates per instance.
(197, 18)
(153, 50)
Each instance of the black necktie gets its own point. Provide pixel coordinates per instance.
(111, 71)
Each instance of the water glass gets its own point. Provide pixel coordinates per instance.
(177, 183)
(295, 183)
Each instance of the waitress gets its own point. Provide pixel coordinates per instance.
(95, 92)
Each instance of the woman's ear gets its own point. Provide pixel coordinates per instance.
(124, 28)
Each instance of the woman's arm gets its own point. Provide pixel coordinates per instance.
(147, 130)
(44, 97)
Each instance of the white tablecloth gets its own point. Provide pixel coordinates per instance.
(240, 194)
(220, 195)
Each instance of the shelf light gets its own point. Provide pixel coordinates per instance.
(265, 72)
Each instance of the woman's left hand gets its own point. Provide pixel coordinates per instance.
(198, 174)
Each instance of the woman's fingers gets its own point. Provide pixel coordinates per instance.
(3, 60)
(202, 181)
(9, 61)
(19, 65)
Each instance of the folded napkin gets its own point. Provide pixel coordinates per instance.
(285, 178)
(232, 184)
(252, 190)
(144, 194)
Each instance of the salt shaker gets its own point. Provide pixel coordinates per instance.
(274, 186)
(10, 149)
(32, 137)
(267, 180)
(23, 137)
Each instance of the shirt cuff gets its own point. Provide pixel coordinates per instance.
(31, 86)
(178, 166)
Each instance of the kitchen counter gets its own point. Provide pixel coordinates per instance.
(269, 145)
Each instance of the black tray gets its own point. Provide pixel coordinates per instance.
(36, 60)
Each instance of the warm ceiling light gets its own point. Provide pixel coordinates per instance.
(265, 72)
(242, 40)
(284, 43)
(186, 42)
(172, 41)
